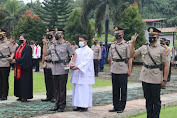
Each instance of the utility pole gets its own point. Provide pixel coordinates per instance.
(106, 24)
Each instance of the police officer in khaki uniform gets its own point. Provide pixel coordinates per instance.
(119, 56)
(6, 53)
(47, 65)
(170, 57)
(74, 46)
(59, 51)
(155, 60)
(163, 42)
(97, 56)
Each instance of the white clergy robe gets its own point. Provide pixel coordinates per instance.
(83, 78)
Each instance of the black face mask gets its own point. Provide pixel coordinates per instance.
(57, 37)
(152, 39)
(21, 41)
(49, 36)
(1, 37)
(118, 36)
(101, 44)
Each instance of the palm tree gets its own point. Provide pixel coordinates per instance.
(103, 9)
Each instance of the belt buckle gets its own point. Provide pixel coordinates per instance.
(149, 67)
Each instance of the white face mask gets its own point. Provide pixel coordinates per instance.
(81, 44)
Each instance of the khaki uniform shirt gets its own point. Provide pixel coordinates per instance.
(154, 76)
(63, 49)
(6, 49)
(124, 50)
(49, 57)
(74, 47)
(96, 51)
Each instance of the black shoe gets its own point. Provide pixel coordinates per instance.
(54, 108)
(53, 100)
(19, 99)
(113, 110)
(61, 110)
(120, 111)
(45, 100)
(24, 100)
(83, 109)
(3, 98)
(77, 109)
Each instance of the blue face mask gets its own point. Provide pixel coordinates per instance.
(81, 44)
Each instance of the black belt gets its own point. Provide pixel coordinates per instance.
(59, 62)
(120, 60)
(48, 61)
(153, 66)
(4, 56)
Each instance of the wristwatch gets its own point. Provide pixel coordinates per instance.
(165, 81)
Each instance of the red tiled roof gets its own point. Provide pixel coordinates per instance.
(153, 20)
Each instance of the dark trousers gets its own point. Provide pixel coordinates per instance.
(96, 62)
(152, 96)
(60, 83)
(36, 64)
(4, 81)
(101, 68)
(49, 83)
(119, 88)
(169, 74)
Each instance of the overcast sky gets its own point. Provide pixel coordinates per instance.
(26, 1)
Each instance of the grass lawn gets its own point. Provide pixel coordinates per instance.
(39, 84)
(169, 112)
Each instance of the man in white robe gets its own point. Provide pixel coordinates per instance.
(82, 68)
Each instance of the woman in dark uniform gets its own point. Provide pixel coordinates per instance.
(23, 77)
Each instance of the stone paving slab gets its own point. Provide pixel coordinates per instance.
(38, 96)
(133, 107)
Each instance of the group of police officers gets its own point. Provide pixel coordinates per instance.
(56, 52)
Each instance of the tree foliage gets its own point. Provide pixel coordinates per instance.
(151, 9)
(99, 6)
(74, 28)
(132, 22)
(31, 25)
(56, 12)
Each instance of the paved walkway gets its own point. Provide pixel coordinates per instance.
(12, 99)
(133, 107)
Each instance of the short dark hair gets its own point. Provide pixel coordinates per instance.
(84, 37)
(24, 36)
